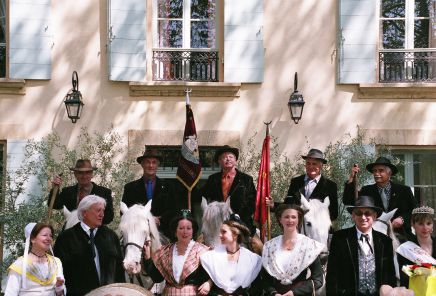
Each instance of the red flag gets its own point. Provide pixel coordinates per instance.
(263, 188)
(189, 169)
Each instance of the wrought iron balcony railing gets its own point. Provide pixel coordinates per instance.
(418, 65)
(185, 65)
(2, 60)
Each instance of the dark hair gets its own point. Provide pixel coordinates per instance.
(238, 228)
(285, 206)
(38, 227)
(175, 223)
(421, 217)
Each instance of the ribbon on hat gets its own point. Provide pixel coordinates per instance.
(27, 231)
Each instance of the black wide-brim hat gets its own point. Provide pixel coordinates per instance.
(316, 154)
(152, 153)
(226, 148)
(365, 201)
(382, 161)
(83, 165)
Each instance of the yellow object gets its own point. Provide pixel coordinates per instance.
(423, 285)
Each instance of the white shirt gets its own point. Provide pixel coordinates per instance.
(362, 242)
(310, 185)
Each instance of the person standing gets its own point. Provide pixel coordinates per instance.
(71, 196)
(234, 184)
(90, 252)
(387, 195)
(361, 259)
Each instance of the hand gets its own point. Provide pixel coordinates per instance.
(354, 170)
(57, 180)
(397, 222)
(157, 220)
(59, 281)
(269, 202)
(289, 293)
(205, 288)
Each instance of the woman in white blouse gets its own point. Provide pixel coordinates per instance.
(178, 263)
(232, 267)
(291, 261)
(36, 272)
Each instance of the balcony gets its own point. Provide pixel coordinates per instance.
(411, 66)
(185, 65)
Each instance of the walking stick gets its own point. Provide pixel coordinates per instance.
(356, 181)
(54, 193)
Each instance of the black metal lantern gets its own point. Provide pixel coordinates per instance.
(296, 103)
(73, 100)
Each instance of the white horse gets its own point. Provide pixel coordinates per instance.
(71, 218)
(214, 214)
(316, 219)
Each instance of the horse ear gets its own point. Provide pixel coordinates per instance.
(148, 206)
(327, 201)
(123, 208)
(305, 205)
(67, 213)
(203, 204)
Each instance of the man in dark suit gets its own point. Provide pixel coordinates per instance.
(232, 183)
(71, 196)
(387, 195)
(361, 259)
(90, 252)
(150, 187)
(313, 185)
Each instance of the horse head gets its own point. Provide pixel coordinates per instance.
(316, 224)
(383, 225)
(71, 218)
(137, 226)
(214, 214)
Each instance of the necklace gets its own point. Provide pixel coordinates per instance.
(39, 256)
(232, 253)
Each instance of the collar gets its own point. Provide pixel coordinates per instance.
(387, 187)
(307, 179)
(87, 229)
(231, 174)
(359, 233)
(146, 179)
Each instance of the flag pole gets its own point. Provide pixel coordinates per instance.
(268, 217)
(52, 200)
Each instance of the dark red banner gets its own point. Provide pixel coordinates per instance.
(263, 189)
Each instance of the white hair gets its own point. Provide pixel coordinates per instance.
(87, 202)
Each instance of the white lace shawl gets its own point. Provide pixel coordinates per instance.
(305, 251)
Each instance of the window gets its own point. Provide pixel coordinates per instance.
(419, 172)
(2, 38)
(170, 158)
(407, 41)
(185, 45)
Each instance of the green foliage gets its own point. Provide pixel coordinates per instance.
(45, 158)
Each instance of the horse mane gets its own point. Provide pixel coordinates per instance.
(137, 219)
(214, 215)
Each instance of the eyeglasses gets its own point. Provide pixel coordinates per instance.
(361, 213)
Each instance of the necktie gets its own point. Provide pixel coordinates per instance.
(366, 237)
(384, 199)
(149, 189)
(91, 241)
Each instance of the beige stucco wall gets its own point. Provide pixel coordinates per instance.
(299, 36)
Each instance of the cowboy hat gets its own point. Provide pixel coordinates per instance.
(151, 153)
(226, 148)
(83, 165)
(382, 161)
(315, 153)
(365, 201)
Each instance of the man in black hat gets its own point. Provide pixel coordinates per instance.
(313, 185)
(149, 186)
(71, 196)
(387, 195)
(361, 259)
(232, 183)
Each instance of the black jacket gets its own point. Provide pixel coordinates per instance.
(343, 263)
(324, 188)
(73, 249)
(242, 195)
(68, 198)
(401, 198)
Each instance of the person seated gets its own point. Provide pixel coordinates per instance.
(291, 264)
(422, 222)
(178, 263)
(233, 269)
(37, 272)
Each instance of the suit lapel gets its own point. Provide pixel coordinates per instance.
(299, 181)
(157, 187)
(140, 188)
(353, 251)
(218, 187)
(378, 254)
(235, 183)
(318, 188)
(393, 201)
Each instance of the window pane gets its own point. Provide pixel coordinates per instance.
(203, 34)
(393, 8)
(421, 8)
(393, 34)
(203, 9)
(421, 33)
(170, 9)
(170, 33)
